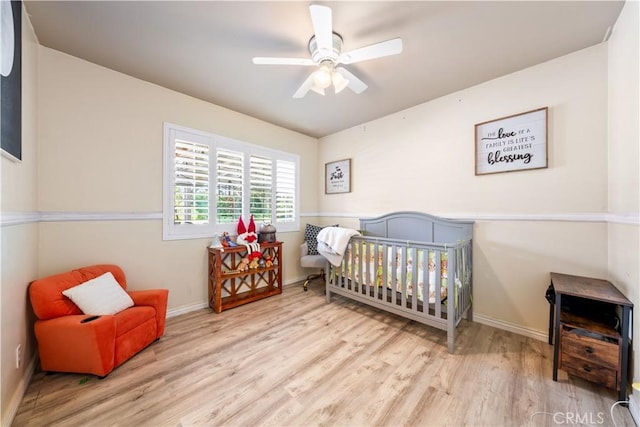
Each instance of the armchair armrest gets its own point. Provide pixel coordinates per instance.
(156, 298)
(304, 249)
(67, 345)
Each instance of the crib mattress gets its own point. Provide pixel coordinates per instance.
(364, 264)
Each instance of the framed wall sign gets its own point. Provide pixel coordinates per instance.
(11, 79)
(512, 143)
(337, 177)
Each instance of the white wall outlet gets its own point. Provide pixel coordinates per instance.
(18, 356)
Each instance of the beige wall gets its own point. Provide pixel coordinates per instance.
(92, 141)
(423, 159)
(624, 163)
(100, 150)
(19, 240)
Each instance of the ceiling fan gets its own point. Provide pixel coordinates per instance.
(325, 47)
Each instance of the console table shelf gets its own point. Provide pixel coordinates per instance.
(230, 288)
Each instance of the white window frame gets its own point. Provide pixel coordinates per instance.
(172, 231)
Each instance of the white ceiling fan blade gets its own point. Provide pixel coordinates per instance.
(355, 84)
(322, 26)
(304, 88)
(261, 60)
(378, 50)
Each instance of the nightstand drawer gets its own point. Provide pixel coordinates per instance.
(589, 371)
(591, 350)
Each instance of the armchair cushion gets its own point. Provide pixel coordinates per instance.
(156, 298)
(47, 299)
(102, 295)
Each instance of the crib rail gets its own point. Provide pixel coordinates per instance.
(427, 282)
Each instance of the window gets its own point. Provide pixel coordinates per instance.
(229, 168)
(260, 184)
(191, 186)
(248, 179)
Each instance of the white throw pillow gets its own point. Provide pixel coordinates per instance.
(102, 295)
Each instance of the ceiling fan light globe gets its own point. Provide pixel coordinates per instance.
(339, 82)
(322, 78)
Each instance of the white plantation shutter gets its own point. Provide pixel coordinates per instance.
(285, 191)
(210, 181)
(261, 184)
(191, 181)
(229, 186)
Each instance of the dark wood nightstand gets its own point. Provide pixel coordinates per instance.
(588, 341)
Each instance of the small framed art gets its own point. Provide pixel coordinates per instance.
(512, 143)
(337, 177)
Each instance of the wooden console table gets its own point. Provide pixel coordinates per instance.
(230, 288)
(587, 345)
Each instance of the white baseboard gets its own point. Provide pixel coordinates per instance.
(200, 305)
(489, 321)
(506, 326)
(12, 408)
(186, 309)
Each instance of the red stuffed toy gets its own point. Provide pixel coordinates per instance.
(249, 238)
(246, 236)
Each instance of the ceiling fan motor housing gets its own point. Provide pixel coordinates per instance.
(320, 55)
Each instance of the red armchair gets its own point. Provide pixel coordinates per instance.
(67, 344)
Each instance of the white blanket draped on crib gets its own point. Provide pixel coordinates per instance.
(332, 243)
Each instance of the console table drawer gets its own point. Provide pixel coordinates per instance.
(594, 351)
(589, 371)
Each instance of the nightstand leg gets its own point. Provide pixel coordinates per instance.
(626, 310)
(556, 341)
(551, 323)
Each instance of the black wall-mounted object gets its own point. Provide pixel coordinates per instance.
(11, 81)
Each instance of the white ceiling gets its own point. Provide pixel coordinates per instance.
(205, 48)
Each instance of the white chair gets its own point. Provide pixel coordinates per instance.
(311, 261)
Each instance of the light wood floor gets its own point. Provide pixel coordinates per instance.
(293, 360)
